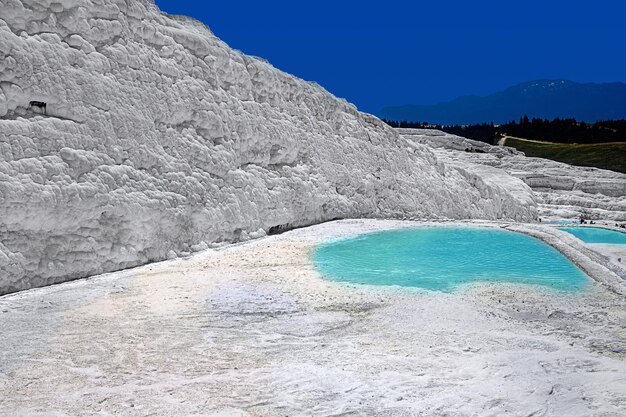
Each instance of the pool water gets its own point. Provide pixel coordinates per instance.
(445, 258)
(596, 235)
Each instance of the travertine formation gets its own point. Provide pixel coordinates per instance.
(128, 136)
(253, 330)
(561, 190)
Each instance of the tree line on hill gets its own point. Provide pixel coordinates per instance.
(557, 130)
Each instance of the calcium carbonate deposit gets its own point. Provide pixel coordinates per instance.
(128, 136)
(252, 330)
(561, 190)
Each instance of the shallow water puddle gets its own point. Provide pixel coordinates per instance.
(445, 258)
(596, 235)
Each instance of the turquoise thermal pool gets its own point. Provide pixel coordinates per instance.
(444, 258)
(596, 235)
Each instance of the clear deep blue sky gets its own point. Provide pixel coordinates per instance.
(401, 52)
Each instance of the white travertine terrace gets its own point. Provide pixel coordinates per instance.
(253, 330)
(561, 190)
(128, 136)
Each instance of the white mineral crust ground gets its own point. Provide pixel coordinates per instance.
(158, 140)
(253, 330)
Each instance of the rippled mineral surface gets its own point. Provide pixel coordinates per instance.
(128, 136)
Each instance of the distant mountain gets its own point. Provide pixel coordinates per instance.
(542, 98)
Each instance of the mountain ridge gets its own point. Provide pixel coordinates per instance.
(543, 98)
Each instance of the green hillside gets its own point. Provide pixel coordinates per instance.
(601, 155)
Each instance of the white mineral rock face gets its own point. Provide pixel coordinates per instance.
(157, 139)
(561, 190)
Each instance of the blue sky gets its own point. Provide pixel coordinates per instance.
(400, 52)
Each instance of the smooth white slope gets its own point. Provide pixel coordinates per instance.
(158, 137)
